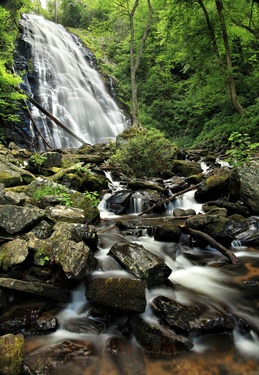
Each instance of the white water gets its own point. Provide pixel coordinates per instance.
(69, 88)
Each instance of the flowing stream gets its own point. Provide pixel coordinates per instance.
(68, 87)
(220, 288)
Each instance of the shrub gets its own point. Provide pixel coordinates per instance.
(241, 148)
(145, 154)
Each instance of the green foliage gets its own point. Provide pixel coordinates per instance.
(93, 196)
(37, 159)
(241, 149)
(57, 190)
(146, 154)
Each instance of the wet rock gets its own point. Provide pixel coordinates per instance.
(167, 232)
(40, 289)
(87, 234)
(213, 225)
(15, 219)
(11, 358)
(249, 237)
(83, 325)
(232, 208)
(244, 186)
(185, 168)
(27, 319)
(159, 341)
(175, 315)
(236, 224)
(127, 357)
(118, 293)
(119, 202)
(13, 253)
(182, 212)
(140, 262)
(212, 322)
(215, 186)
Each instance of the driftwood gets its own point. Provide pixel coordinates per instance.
(49, 115)
(231, 256)
(169, 199)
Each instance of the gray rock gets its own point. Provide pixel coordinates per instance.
(15, 219)
(64, 213)
(13, 253)
(244, 186)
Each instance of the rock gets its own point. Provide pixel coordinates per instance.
(75, 258)
(145, 185)
(64, 213)
(167, 232)
(182, 212)
(212, 322)
(13, 253)
(249, 237)
(244, 186)
(12, 197)
(174, 314)
(185, 168)
(27, 318)
(15, 219)
(215, 186)
(213, 225)
(119, 202)
(140, 262)
(8, 176)
(11, 358)
(118, 293)
(231, 207)
(42, 230)
(83, 325)
(159, 341)
(51, 159)
(40, 289)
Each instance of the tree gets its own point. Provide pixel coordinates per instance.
(136, 50)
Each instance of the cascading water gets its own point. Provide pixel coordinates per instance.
(68, 87)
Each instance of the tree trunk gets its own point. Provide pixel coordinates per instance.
(230, 77)
(227, 70)
(135, 57)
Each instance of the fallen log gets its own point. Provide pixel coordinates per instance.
(53, 118)
(169, 199)
(231, 256)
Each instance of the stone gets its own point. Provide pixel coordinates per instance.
(167, 232)
(140, 262)
(244, 186)
(215, 186)
(13, 253)
(11, 358)
(158, 341)
(64, 213)
(123, 294)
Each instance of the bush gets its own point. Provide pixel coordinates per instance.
(146, 154)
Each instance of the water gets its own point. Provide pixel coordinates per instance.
(69, 88)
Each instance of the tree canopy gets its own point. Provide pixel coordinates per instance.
(197, 74)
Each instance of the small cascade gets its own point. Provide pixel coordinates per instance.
(68, 87)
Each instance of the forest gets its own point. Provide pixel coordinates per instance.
(188, 68)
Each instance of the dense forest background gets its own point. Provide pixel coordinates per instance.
(192, 65)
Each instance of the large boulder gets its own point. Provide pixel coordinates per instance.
(13, 253)
(214, 187)
(140, 262)
(244, 186)
(185, 168)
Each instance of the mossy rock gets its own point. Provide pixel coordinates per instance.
(11, 358)
(79, 200)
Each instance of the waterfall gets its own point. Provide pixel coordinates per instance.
(68, 87)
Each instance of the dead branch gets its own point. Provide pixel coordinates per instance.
(170, 198)
(231, 256)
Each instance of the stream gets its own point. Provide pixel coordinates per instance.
(216, 284)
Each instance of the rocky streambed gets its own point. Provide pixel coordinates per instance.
(137, 271)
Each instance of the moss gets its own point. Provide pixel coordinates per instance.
(11, 358)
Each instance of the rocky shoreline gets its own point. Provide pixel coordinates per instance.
(50, 232)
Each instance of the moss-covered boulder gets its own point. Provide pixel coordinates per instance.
(185, 168)
(11, 354)
(215, 186)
